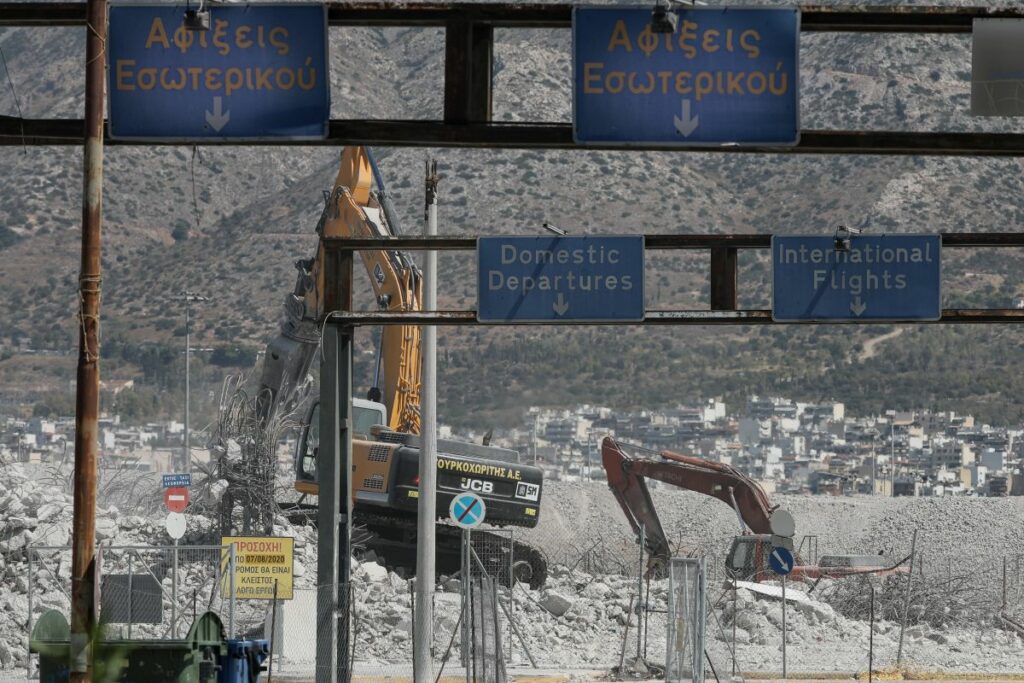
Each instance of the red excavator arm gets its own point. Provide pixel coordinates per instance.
(627, 475)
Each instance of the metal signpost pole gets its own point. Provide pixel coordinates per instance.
(131, 614)
(427, 502)
(231, 598)
(784, 626)
(174, 591)
(186, 443)
(87, 389)
(467, 635)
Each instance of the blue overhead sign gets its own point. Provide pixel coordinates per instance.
(724, 76)
(781, 561)
(878, 277)
(259, 72)
(552, 279)
(172, 481)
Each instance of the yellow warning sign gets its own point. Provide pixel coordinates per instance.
(260, 563)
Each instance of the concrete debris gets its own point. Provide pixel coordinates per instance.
(555, 602)
(578, 619)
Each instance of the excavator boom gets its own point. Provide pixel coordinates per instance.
(627, 475)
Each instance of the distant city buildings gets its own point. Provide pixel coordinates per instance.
(792, 447)
(788, 446)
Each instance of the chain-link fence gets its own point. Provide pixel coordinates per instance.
(595, 609)
(146, 592)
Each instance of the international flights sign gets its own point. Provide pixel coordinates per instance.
(556, 279)
(879, 277)
(724, 76)
(259, 72)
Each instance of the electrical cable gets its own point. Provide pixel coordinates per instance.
(17, 104)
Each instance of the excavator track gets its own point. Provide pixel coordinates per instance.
(392, 539)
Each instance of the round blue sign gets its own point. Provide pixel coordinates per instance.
(781, 561)
(467, 510)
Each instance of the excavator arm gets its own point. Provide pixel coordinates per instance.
(351, 210)
(627, 479)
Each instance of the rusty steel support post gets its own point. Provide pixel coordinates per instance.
(468, 69)
(724, 273)
(83, 560)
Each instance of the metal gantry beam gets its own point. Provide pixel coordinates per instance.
(815, 18)
(723, 278)
(468, 84)
(672, 317)
(658, 241)
(54, 132)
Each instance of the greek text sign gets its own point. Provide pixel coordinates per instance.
(724, 76)
(883, 277)
(259, 72)
(175, 480)
(260, 561)
(552, 279)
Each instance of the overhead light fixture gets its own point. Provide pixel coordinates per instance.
(550, 227)
(196, 19)
(843, 237)
(663, 19)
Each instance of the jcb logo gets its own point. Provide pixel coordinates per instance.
(477, 485)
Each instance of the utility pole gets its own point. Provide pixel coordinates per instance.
(427, 504)
(892, 457)
(189, 297)
(87, 389)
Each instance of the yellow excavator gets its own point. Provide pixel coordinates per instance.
(386, 425)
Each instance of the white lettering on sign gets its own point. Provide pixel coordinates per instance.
(477, 485)
(570, 282)
(527, 491)
(857, 283)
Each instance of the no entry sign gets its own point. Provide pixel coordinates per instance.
(176, 499)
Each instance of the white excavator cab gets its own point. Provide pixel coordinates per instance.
(365, 416)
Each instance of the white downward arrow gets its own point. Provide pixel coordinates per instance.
(561, 305)
(685, 125)
(218, 119)
(857, 307)
(782, 562)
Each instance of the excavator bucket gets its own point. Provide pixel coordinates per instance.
(635, 500)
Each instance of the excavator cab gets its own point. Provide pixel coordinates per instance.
(748, 558)
(365, 416)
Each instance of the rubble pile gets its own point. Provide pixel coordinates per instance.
(578, 619)
(819, 638)
(578, 517)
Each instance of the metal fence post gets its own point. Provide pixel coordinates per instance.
(28, 655)
(735, 615)
(906, 602)
(871, 632)
(231, 587)
(131, 613)
(511, 586)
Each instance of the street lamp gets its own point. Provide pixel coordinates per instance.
(189, 298)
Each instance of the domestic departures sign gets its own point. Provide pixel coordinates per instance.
(553, 279)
